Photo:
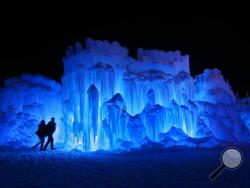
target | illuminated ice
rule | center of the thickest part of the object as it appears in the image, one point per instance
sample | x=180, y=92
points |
x=25, y=101
x=109, y=100
x=244, y=108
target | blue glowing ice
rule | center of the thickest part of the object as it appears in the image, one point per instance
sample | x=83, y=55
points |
x=109, y=100
x=24, y=102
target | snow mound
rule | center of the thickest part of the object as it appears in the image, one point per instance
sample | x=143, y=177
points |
x=176, y=136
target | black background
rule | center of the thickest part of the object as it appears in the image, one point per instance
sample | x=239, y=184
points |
x=34, y=39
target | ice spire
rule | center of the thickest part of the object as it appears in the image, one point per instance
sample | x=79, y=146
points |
x=93, y=101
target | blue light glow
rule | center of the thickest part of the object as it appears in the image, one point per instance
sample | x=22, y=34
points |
x=108, y=99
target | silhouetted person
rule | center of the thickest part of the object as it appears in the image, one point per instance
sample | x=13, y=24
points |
x=41, y=133
x=51, y=127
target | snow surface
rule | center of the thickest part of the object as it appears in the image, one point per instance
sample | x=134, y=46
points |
x=109, y=100
x=175, y=167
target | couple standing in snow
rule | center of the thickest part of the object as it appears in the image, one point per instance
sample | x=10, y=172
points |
x=46, y=130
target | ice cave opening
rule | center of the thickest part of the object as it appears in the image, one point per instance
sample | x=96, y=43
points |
x=109, y=100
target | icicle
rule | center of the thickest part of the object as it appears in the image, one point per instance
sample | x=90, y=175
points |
x=93, y=102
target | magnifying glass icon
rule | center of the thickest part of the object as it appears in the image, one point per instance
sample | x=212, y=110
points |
x=231, y=158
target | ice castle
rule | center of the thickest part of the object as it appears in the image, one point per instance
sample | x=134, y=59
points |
x=109, y=100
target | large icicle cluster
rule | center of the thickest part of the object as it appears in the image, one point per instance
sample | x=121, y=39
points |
x=132, y=99
x=109, y=100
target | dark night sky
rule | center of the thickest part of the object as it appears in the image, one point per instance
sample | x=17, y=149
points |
x=35, y=41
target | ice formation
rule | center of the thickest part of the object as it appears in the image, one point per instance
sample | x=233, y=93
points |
x=109, y=100
x=24, y=102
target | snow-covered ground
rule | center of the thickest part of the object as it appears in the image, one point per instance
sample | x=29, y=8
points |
x=151, y=168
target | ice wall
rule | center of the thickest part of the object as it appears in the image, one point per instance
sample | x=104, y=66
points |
x=24, y=102
x=210, y=86
x=111, y=70
x=109, y=100
x=144, y=97
x=217, y=107
x=243, y=106
x=153, y=90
